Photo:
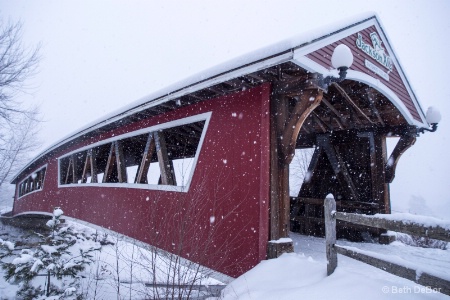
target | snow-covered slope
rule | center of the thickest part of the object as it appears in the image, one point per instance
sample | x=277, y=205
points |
x=123, y=267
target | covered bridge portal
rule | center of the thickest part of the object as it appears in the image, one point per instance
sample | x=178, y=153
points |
x=202, y=169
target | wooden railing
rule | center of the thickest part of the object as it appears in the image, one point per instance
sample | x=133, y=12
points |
x=418, y=276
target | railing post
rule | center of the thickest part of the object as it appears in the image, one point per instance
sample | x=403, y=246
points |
x=330, y=234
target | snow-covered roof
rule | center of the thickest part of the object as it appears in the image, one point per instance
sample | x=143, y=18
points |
x=294, y=49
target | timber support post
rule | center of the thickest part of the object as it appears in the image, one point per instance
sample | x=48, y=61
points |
x=286, y=123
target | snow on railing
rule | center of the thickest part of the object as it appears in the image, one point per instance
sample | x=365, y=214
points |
x=402, y=222
x=405, y=223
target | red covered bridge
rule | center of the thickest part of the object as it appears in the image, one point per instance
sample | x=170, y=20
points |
x=202, y=169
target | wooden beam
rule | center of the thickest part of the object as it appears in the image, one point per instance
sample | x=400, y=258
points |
x=165, y=164
x=325, y=126
x=319, y=123
x=371, y=97
x=71, y=170
x=372, y=164
x=338, y=165
x=142, y=171
x=338, y=122
x=216, y=89
x=284, y=130
x=90, y=167
x=277, y=190
x=306, y=129
x=115, y=165
x=258, y=78
x=109, y=164
x=353, y=104
x=28, y=185
x=404, y=143
x=335, y=111
x=383, y=194
x=39, y=179
x=120, y=162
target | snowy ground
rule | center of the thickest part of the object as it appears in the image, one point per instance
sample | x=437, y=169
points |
x=123, y=268
x=302, y=275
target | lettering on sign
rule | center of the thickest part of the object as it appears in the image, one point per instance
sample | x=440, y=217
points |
x=376, y=69
x=377, y=53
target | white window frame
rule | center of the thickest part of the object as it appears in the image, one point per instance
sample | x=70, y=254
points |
x=188, y=120
x=26, y=178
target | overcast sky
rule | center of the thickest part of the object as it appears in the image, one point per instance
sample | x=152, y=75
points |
x=101, y=55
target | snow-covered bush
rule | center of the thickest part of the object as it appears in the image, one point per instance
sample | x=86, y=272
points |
x=7, y=248
x=56, y=255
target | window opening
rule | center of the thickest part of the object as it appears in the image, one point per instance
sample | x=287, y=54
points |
x=33, y=182
x=161, y=157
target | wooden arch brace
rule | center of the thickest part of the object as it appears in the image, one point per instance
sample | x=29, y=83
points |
x=146, y=160
x=308, y=100
x=403, y=144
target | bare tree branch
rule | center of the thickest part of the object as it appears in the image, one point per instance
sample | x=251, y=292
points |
x=16, y=146
x=17, y=64
x=18, y=122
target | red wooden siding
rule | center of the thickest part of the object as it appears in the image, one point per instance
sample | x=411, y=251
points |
x=230, y=183
x=322, y=56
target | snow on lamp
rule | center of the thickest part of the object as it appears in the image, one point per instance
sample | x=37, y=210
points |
x=433, y=117
x=341, y=59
